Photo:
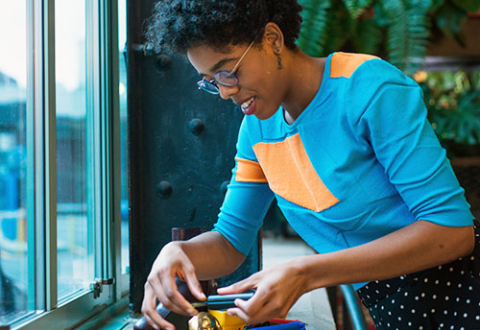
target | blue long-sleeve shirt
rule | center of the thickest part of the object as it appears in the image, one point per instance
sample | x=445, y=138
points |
x=360, y=162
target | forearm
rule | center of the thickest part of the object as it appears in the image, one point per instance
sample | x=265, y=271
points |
x=211, y=255
x=418, y=246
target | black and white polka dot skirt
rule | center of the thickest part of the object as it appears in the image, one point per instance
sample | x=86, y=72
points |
x=443, y=297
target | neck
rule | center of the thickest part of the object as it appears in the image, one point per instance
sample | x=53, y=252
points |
x=305, y=77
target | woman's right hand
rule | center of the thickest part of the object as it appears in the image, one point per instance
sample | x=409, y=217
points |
x=171, y=262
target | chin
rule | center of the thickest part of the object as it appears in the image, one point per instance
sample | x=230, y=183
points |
x=264, y=115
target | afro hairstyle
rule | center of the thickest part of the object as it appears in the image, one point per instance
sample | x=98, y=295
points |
x=177, y=25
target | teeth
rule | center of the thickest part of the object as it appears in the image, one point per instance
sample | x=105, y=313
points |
x=246, y=104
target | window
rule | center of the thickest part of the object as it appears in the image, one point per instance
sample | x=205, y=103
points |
x=60, y=187
x=14, y=284
x=74, y=230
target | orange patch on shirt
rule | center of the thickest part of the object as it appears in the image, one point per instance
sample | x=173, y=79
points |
x=343, y=64
x=249, y=171
x=290, y=174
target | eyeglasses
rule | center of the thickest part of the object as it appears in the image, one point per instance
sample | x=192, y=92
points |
x=223, y=77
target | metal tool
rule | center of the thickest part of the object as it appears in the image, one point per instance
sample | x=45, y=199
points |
x=223, y=301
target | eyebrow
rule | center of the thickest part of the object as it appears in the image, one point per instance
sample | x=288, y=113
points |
x=219, y=64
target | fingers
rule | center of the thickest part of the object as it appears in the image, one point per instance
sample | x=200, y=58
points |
x=158, y=324
x=166, y=291
x=250, y=318
x=194, y=284
x=248, y=308
x=266, y=303
x=161, y=286
x=150, y=313
x=173, y=300
x=257, y=311
x=245, y=308
x=253, y=305
x=239, y=287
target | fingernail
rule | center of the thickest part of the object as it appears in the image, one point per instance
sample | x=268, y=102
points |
x=192, y=312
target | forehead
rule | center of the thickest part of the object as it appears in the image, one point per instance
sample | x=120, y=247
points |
x=207, y=60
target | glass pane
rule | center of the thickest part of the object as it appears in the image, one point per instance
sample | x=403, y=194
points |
x=13, y=219
x=122, y=38
x=75, y=255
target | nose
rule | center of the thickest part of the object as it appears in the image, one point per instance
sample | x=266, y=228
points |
x=227, y=91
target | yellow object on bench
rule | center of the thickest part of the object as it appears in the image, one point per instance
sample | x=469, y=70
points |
x=227, y=322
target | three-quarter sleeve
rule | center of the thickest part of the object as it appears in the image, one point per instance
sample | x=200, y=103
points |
x=393, y=121
x=247, y=199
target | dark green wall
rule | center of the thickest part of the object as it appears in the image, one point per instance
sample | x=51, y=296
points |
x=169, y=149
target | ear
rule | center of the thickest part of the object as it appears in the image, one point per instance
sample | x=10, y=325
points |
x=273, y=38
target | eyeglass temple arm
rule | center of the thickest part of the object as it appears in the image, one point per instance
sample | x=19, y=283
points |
x=241, y=58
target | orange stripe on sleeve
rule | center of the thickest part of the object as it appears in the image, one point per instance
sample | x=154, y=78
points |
x=343, y=64
x=249, y=171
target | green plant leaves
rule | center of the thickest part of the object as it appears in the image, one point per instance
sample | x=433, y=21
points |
x=368, y=36
x=436, y=4
x=449, y=19
x=407, y=32
x=454, y=106
x=399, y=29
x=340, y=29
x=313, y=33
x=356, y=7
x=471, y=6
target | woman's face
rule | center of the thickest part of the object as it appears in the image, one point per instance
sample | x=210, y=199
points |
x=261, y=86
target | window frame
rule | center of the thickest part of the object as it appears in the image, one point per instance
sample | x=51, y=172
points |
x=103, y=163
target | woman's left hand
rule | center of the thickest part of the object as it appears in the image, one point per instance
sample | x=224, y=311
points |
x=277, y=290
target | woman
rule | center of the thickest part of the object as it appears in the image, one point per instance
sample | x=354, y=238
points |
x=343, y=144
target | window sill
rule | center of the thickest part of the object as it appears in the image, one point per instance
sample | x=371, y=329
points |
x=114, y=317
x=120, y=322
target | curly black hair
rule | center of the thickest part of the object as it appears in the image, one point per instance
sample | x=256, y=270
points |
x=177, y=25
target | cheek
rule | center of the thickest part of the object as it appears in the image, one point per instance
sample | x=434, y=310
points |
x=265, y=71
x=266, y=81
x=268, y=73
x=269, y=68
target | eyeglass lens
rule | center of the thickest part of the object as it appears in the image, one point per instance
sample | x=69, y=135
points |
x=208, y=86
x=226, y=78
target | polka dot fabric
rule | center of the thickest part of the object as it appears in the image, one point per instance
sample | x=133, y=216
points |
x=443, y=297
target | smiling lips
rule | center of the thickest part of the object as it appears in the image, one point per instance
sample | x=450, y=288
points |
x=248, y=107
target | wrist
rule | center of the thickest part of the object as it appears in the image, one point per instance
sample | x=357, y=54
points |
x=302, y=269
x=171, y=249
x=312, y=272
